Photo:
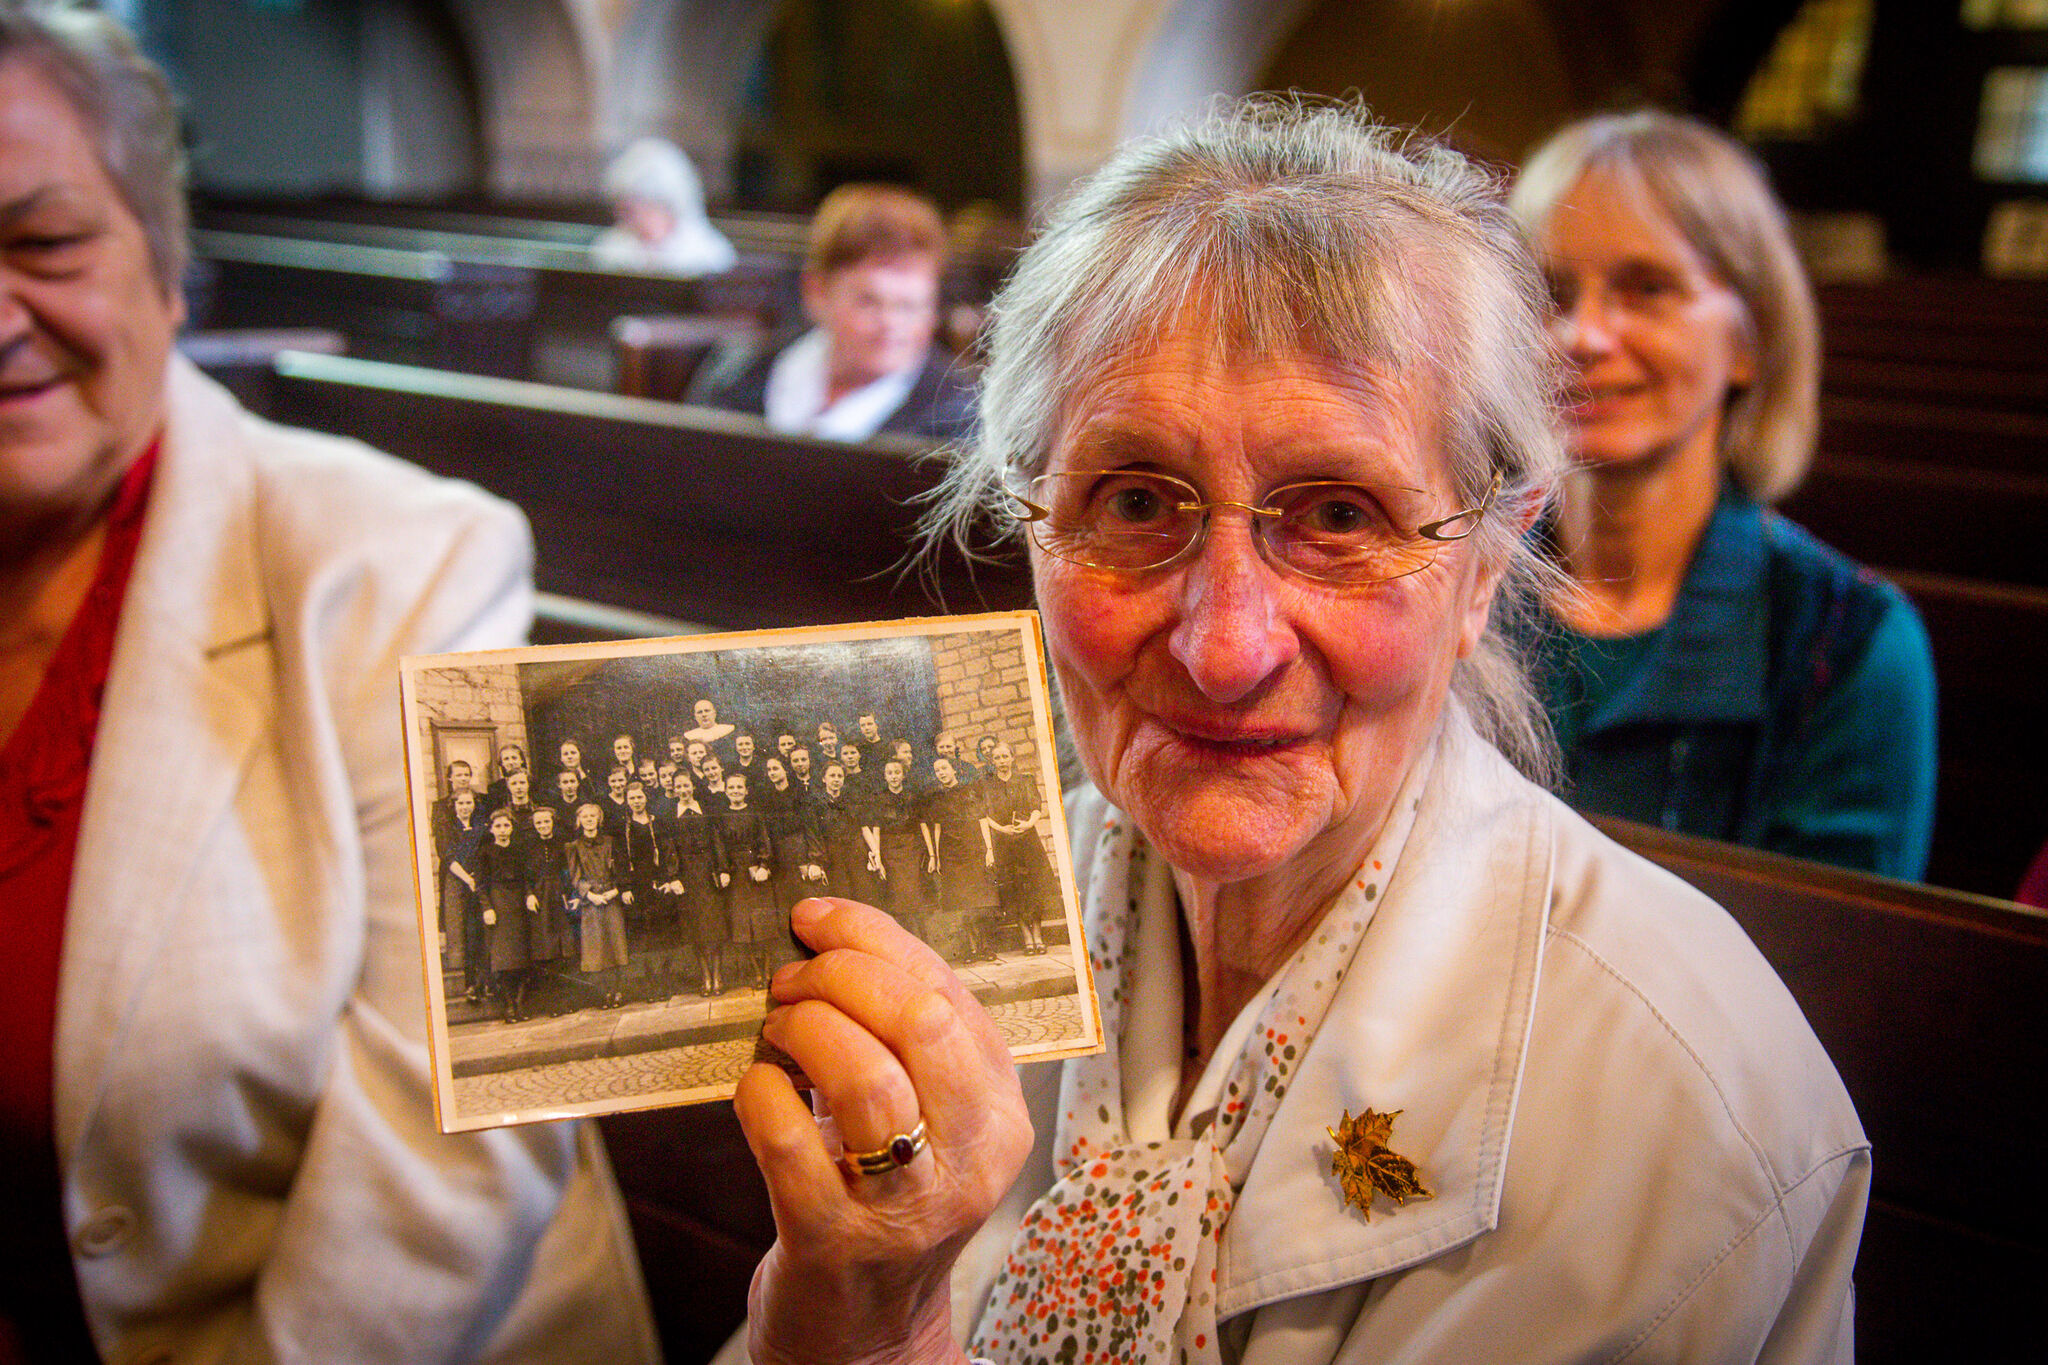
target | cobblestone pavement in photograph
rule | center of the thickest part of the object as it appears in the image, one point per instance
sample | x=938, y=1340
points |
x=592, y=1079
x=590, y=1055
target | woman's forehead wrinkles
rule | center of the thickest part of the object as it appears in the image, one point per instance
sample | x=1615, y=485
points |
x=1367, y=430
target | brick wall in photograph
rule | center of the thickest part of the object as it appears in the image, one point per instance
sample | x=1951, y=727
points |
x=469, y=698
x=983, y=690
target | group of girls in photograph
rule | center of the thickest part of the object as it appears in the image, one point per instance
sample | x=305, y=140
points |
x=675, y=875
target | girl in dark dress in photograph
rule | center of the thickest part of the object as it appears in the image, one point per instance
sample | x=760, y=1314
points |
x=646, y=869
x=899, y=843
x=799, y=852
x=519, y=802
x=501, y=887
x=625, y=754
x=458, y=888
x=613, y=802
x=700, y=904
x=593, y=864
x=511, y=759
x=569, y=794
x=746, y=863
x=851, y=863
x=553, y=937
x=954, y=817
x=571, y=756
x=1016, y=810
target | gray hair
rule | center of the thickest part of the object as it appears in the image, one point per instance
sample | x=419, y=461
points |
x=1716, y=195
x=127, y=106
x=1290, y=228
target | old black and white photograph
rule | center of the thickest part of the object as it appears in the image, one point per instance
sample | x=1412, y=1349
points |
x=610, y=837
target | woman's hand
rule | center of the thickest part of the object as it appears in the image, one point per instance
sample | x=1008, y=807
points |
x=861, y=1265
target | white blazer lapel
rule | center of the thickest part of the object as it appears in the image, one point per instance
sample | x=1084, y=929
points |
x=1432, y=1019
x=189, y=693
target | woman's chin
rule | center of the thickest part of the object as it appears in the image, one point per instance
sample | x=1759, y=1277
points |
x=1221, y=833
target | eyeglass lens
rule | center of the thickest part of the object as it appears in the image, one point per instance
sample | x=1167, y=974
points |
x=1134, y=520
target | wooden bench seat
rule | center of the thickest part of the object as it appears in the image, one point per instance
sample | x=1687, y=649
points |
x=1932, y=1006
x=1928, y=517
x=1901, y=431
x=657, y=507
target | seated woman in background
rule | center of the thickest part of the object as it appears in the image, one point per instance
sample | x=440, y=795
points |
x=658, y=202
x=869, y=364
x=1405, y=1060
x=1718, y=671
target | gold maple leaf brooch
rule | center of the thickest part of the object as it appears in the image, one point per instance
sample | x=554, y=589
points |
x=1365, y=1164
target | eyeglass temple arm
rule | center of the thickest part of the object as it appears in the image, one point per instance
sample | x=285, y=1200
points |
x=1471, y=516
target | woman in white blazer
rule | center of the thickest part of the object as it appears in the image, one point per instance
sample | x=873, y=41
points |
x=245, y=1158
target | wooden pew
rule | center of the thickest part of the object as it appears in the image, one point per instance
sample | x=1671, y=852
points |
x=658, y=507
x=1959, y=341
x=1932, y=1006
x=1990, y=654
x=1890, y=430
x=514, y=310
x=1928, y=517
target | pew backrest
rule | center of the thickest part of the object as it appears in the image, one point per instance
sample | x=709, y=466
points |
x=1934, y=1007
x=659, y=507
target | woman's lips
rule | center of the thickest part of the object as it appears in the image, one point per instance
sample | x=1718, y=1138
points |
x=20, y=388
x=1583, y=404
x=1226, y=738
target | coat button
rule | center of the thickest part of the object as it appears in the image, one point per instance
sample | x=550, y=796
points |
x=106, y=1232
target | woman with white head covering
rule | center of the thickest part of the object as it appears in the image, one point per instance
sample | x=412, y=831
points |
x=659, y=204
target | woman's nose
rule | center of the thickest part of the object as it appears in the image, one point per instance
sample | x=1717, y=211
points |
x=1233, y=633
x=1583, y=329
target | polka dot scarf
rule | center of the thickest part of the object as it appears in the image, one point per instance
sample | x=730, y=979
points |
x=1117, y=1262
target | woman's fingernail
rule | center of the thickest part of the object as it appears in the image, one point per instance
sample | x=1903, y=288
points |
x=808, y=911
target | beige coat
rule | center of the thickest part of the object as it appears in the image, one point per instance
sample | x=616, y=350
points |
x=1639, y=1150
x=251, y=1166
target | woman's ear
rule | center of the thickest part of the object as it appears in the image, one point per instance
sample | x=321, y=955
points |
x=1521, y=513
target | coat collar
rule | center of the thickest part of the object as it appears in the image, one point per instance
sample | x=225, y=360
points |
x=188, y=693
x=1433, y=1019
x=1709, y=661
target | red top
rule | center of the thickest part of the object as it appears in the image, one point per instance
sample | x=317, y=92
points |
x=43, y=769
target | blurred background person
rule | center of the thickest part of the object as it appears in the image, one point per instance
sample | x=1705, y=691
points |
x=657, y=201
x=214, y=1103
x=869, y=363
x=1717, y=670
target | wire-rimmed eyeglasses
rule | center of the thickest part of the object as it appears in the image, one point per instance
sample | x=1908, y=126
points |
x=1138, y=520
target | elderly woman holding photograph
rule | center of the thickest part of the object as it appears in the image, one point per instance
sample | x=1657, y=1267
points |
x=1716, y=670
x=214, y=1102
x=1405, y=1060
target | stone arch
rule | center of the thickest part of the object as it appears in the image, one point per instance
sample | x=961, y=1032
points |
x=1088, y=77
x=678, y=70
x=538, y=64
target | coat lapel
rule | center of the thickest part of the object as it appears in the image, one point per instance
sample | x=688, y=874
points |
x=1432, y=1019
x=188, y=694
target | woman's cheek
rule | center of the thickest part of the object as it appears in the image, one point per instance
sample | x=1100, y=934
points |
x=1093, y=639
